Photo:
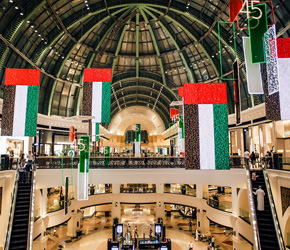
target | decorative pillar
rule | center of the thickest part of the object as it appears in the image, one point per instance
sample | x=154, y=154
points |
x=116, y=204
x=202, y=222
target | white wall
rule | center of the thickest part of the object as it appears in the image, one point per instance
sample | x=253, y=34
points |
x=7, y=179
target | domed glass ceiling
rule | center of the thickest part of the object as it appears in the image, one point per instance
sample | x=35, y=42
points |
x=153, y=46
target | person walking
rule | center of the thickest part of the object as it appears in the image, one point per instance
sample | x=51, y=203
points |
x=190, y=245
x=257, y=158
x=190, y=226
x=260, y=198
x=27, y=172
x=247, y=157
x=30, y=157
x=212, y=242
x=21, y=168
x=196, y=234
x=253, y=159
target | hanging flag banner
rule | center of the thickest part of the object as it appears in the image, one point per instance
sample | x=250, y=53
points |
x=237, y=92
x=181, y=135
x=138, y=140
x=83, y=168
x=173, y=114
x=107, y=153
x=20, y=102
x=97, y=96
x=258, y=25
x=180, y=91
x=206, y=126
x=254, y=78
x=71, y=133
x=235, y=6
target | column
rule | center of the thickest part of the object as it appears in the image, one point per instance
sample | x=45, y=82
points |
x=73, y=225
x=116, y=206
x=160, y=207
x=202, y=222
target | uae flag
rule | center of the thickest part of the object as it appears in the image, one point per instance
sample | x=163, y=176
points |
x=97, y=97
x=20, y=102
x=278, y=102
x=206, y=126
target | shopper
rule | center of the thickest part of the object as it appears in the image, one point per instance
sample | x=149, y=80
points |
x=21, y=169
x=190, y=226
x=260, y=198
x=257, y=158
x=196, y=234
x=247, y=157
x=253, y=159
x=27, y=172
x=212, y=242
x=190, y=245
x=30, y=157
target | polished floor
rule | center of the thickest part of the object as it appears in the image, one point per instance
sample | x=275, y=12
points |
x=97, y=229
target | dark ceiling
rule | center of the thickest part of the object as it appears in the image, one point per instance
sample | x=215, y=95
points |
x=153, y=46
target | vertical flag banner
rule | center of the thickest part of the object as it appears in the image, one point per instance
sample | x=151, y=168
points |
x=138, y=140
x=97, y=96
x=237, y=91
x=254, y=78
x=173, y=114
x=181, y=135
x=231, y=27
x=71, y=133
x=235, y=6
x=107, y=155
x=278, y=102
x=206, y=126
x=83, y=168
x=258, y=25
x=20, y=104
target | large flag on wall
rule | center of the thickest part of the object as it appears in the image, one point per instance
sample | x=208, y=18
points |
x=235, y=6
x=206, y=126
x=20, y=103
x=97, y=97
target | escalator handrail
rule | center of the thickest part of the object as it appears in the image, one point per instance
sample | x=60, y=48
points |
x=253, y=215
x=11, y=213
x=31, y=213
x=274, y=212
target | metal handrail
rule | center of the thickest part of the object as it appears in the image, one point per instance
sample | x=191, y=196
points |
x=257, y=243
x=31, y=213
x=11, y=213
x=274, y=212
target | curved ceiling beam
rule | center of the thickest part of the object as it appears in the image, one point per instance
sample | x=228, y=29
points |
x=72, y=47
x=145, y=97
x=191, y=33
x=155, y=46
x=144, y=88
x=165, y=119
x=177, y=43
x=15, y=26
x=143, y=75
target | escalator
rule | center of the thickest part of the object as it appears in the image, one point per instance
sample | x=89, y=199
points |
x=20, y=224
x=268, y=230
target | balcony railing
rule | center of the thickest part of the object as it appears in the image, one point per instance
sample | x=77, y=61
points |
x=112, y=162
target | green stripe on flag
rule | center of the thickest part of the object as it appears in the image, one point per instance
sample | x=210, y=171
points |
x=31, y=111
x=84, y=154
x=97, y=131
x=138, y=132
x=221, y=137
x=106, y=102
x=181, y=125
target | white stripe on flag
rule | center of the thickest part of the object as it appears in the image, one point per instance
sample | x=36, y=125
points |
x=93, y=131
x=97, y=102
x=254, y=79
x=83, y=182
x=206, y=136
x=284, y=79
x=20, y=110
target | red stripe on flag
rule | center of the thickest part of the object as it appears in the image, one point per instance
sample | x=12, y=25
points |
x=97, y=75
x=205, y=93
x=173, y=112
x=180, y=91
x=235, y=7
x=30, y=77
x=283, y=47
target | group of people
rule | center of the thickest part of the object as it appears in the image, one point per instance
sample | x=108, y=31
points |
x=254, y=159
x=25, y=167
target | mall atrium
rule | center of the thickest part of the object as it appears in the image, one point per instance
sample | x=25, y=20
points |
x=145, y=124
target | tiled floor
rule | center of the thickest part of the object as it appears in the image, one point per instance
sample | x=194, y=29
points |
x=97, y=230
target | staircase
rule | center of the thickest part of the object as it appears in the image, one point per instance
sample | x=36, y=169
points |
x=20, y=217
x=267, y=231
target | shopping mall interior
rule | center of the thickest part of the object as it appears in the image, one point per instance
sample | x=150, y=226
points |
x=145, y=124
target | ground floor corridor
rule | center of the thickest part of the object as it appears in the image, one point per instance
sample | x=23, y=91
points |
x=97, y=229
